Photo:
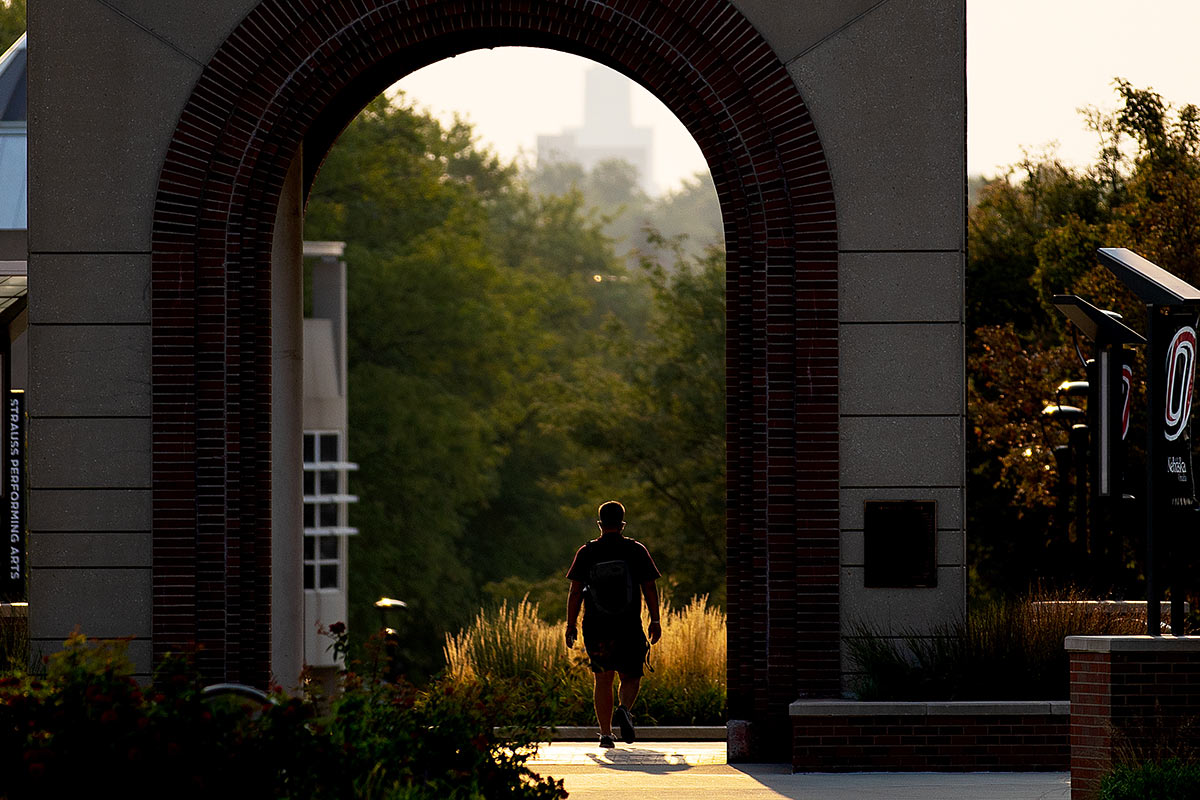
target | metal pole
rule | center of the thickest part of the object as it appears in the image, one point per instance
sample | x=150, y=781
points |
x=1178, y=619
x=1153, y=611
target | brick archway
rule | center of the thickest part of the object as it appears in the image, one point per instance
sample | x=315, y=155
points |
x=296, y=72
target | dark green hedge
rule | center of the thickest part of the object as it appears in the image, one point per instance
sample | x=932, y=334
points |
x=1170, y=780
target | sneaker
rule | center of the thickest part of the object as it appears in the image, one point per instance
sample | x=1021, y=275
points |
x=606, y=741
x=623, y=719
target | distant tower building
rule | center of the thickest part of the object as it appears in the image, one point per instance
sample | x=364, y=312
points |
x=608, y=130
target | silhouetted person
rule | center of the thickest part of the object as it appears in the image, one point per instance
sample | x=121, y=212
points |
x=609, y=576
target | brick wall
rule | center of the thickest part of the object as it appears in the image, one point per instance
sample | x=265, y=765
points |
x=930, y=737
x=1131, y=697
x=296, y=72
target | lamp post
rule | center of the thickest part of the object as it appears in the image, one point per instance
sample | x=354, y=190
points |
x=1107, y=390
x=391, y=643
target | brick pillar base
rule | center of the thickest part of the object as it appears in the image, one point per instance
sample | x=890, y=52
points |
x=1132, y=698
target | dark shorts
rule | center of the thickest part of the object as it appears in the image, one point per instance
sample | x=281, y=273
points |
x=623, y=650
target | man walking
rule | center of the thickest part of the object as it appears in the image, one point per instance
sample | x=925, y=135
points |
x=608, y=577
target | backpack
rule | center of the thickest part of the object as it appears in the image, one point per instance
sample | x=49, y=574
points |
x=610, y=587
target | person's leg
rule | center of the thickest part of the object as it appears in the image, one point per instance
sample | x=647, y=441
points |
x=602, y=697
x=628, y=691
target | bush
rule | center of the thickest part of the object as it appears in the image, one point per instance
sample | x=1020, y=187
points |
x=88, y=724
x=1011, y=650
x=511, y=649
x=1169, y=780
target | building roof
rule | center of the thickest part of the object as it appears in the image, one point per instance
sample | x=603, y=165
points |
x=14, y=178
x=13, y=106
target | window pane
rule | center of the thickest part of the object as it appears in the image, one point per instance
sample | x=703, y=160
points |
x=308, y=577
x=329, y=548
x=329, y=576
x=328, y=515
x=309, y=548
x=329, y=482
x=310, y=447
x=310, y=515
x=329, y=448
x=310, y=483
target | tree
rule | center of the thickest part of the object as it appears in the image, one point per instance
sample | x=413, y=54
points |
x=12, y=22
x=650, y=416
x=465, y=292
x=1033, y=234
x=690, y=215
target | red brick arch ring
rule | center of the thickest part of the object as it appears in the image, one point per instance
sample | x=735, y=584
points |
x=296, y=71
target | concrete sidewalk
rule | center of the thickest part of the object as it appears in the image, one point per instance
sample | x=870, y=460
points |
x=679, y=770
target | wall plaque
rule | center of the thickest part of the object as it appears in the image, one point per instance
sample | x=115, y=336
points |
x=900, y=544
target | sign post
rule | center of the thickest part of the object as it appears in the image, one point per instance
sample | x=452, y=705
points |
x=1171, y=311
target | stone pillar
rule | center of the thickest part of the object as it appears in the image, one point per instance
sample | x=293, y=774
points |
x=1131, y=697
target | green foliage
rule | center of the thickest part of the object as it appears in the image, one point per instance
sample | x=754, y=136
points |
x=1032, y=234
x=1006, y=650
x=464, y=293
x=631, y=219
x=474, y=309
x=12, y=22
x=1170, y=780
x=89, y=724
x=512, y=649
x=651, y=415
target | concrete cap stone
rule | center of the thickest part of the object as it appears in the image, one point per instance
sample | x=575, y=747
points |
x=943, y=708
x=1132, y=644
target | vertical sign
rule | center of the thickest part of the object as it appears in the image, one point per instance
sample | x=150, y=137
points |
x=1172, y=410
x=12, y=576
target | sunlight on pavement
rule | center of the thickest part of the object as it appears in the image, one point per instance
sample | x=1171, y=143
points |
x=690, y=770
x=663, y=754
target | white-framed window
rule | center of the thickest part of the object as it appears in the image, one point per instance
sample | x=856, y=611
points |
x=325, y=509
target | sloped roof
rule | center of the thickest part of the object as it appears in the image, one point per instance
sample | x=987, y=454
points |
x=14, y=178
x=13, y=106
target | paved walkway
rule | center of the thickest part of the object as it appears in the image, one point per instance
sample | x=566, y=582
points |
x=690, y=770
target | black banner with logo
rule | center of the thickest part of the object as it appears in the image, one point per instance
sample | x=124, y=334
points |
x=1171, y=411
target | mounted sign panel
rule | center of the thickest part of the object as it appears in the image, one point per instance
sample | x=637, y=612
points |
x=900, y=544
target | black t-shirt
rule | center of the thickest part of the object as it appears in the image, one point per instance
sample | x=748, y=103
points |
x=613, y=547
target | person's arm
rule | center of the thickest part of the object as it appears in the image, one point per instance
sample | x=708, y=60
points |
x=650, y=590
x=574, y=601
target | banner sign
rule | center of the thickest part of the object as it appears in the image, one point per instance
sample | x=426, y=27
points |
x=1126, y=394
x=12, y=577
x=1110, y=380
x=1172, y=410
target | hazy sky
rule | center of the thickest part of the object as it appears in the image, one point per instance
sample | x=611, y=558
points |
x=1030, y=65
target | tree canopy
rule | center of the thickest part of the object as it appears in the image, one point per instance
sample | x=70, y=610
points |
x=1034, y=233
x=497, y=344
x=12, y=22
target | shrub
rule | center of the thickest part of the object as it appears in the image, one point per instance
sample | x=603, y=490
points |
x=1010, y=650
x=1169, y=780
x=88, y=724
x=512, y=649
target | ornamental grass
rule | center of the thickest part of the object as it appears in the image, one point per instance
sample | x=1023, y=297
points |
x=511, y=647
x=1008, y=650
